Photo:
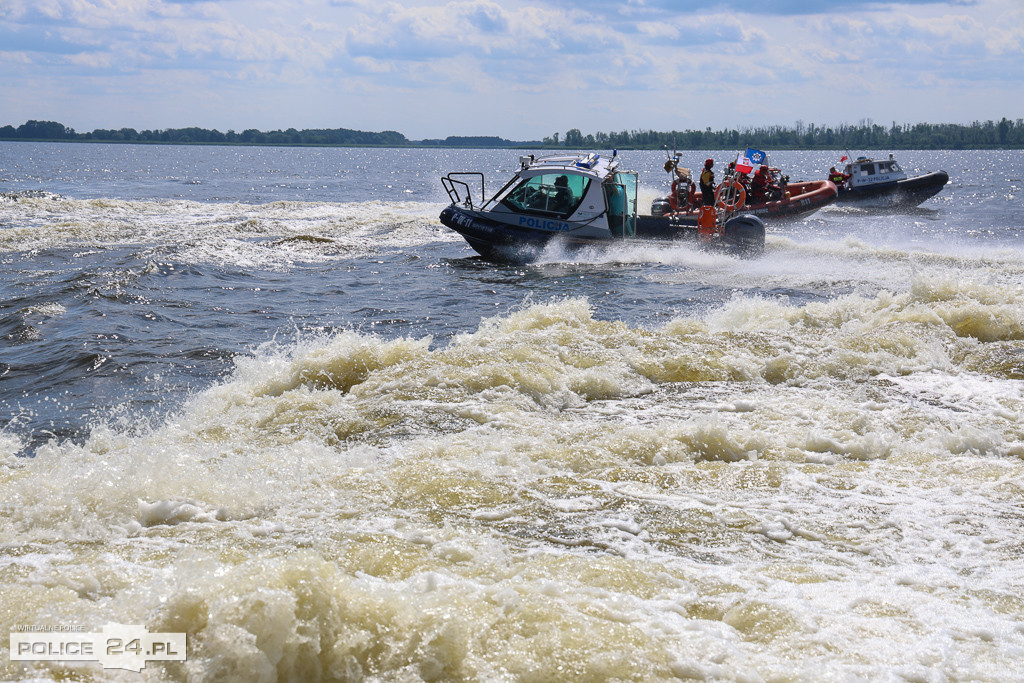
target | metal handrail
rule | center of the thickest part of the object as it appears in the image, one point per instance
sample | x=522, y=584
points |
x=451, y=186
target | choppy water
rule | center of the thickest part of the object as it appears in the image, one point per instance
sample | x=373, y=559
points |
x=262, y=397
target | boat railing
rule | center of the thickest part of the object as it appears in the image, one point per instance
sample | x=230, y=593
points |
x=459, y=191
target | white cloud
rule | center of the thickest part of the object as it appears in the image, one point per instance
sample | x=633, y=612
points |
x=521, y=68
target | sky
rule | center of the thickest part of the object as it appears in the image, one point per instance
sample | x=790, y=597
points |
x=518, y=69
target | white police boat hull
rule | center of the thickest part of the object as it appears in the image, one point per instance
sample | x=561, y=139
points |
x=882, y=184
x=575, y=201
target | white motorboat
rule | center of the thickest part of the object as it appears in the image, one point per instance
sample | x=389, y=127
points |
x=578, y=200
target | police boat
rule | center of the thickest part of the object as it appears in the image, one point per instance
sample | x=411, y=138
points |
x=882, y=183
x=574, y=201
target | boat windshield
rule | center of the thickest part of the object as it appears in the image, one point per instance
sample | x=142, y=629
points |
x=556, y=194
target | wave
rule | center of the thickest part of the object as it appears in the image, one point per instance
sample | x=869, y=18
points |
x=268, y=235
x=757, y=379
x=766, y=487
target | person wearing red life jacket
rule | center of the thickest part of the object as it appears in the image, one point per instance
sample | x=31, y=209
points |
x=761, y=186
x=837, y=177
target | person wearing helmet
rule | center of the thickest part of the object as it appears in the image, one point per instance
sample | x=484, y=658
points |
x=707, y=183
x=759, y=185
x=837, y=177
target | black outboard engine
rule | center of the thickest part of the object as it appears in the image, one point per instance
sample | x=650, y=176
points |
x=661, y=207
x=745, y=234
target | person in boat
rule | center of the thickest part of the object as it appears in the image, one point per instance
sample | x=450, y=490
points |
x=563, y=198
x=837, y=177
x=761, y=186
x=707, y=183
x=779, y=183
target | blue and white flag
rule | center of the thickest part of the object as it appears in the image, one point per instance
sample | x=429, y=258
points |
x=756, y=156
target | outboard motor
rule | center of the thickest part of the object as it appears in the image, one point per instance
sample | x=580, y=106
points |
x=745, y=234
x=661, y=207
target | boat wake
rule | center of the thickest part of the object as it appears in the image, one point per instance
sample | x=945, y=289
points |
x=271, y=236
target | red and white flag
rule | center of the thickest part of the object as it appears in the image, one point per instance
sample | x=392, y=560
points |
x=743, y=165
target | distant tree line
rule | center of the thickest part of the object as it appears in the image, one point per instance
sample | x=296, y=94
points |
x=472, y=141
x=51, y=130
x=1004, y=134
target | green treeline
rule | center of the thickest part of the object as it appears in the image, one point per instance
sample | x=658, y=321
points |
x=491, y=141
x=1004, y=134
x=51, y=130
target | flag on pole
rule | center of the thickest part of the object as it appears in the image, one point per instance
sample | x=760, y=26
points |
x=743, y=164
x=843, y=158
x=756, y=156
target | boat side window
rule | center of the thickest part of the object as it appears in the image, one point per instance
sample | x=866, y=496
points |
x=549, y=194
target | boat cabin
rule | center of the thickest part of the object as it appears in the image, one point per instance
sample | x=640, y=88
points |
x=865, y=172
x=572, y=200
x=560, y=193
